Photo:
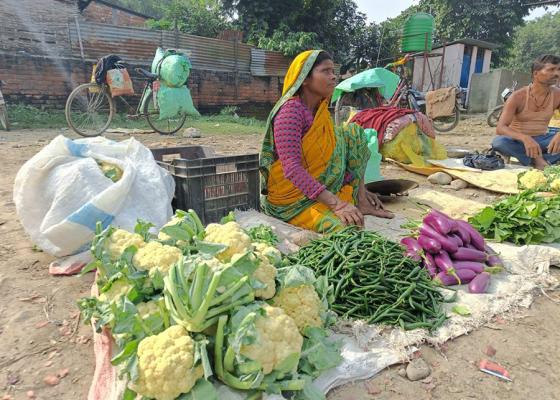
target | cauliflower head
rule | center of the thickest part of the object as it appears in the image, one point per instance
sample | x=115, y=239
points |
x=146, y=309
x=118, y=289
x=230, y=235
x=555, y=185
x=120, y=240
x=155, y=255
x=166, y=365
x=278, y=338
x=302, y=304
x=265, y=274
x=271, y=253
x=532, y=179
x=164, y=236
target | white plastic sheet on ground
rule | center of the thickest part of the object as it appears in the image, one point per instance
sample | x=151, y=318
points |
x=366, y=349
x=61, y=193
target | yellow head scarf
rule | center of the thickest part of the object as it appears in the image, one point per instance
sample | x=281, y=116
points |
x=295, y=70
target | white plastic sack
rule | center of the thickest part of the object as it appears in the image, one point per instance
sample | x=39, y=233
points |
x=61, y=192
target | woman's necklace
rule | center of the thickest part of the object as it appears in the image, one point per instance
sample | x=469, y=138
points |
x=539, y=106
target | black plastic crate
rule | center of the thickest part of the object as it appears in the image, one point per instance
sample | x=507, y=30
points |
x=167, y=154
x=214, y=186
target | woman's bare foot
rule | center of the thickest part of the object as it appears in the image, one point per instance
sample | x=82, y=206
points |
x=371, y=205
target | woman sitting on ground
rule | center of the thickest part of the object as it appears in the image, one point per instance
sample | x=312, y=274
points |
x=313, y=174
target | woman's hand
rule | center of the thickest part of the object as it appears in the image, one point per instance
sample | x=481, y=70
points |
x=348, y=214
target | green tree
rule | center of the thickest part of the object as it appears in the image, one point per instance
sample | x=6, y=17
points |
x=329, y=24
x=493, y=21
x=197, y=17
x=537, y=37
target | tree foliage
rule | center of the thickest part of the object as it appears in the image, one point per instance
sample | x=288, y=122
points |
x=197, y=17
x=492, y=21
x=537, y=37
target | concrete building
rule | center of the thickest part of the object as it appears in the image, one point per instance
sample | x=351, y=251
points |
x=452, y=64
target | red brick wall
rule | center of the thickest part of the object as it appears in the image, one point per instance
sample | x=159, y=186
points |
x=103, y=14
x=47, y=82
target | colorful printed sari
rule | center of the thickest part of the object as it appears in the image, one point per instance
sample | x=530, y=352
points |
x=327, y=154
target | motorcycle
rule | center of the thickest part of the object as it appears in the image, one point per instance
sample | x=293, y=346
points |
x=494, y=115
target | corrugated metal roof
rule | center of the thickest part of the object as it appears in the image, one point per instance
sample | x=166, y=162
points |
x=139, y=45
x=268, y=63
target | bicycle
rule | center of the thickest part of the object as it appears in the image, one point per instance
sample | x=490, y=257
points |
x=3, y=110
x=494, y=115
x=90, y=108
x=407, y=97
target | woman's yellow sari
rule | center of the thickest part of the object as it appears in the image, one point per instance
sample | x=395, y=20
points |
x=327, y=154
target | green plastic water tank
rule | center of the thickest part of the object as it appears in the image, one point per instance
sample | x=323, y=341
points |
x=414, y=33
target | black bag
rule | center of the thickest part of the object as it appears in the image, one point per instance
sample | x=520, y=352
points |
x=105, y=64
x=487, y=161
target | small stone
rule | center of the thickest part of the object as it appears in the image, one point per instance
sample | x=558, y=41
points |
x=490, y=351
x=372, y=389
x=402, y=372
x=191, y=133
x=51, y=380
x=440, y=178
x=63, y=372
x=459, y=184
x=31, y=395
x=417, y=370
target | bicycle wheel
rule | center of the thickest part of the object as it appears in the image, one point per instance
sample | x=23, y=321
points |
x=89, y=109
x=4, y=118
x=166, y=126
x=494, y=116
x=446, y=124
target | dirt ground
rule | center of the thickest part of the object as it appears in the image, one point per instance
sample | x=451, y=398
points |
x=41, y=334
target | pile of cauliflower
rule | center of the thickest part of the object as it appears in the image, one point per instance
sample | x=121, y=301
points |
x=544, y=181
x=170, y=357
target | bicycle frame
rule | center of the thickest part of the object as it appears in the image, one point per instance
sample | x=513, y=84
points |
x=138, y=112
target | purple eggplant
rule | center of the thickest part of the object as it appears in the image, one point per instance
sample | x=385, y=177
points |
x=412, y=245
x=489, y=250
x=480, y=283
x=466, y=254
x=443, y=261
x=476, y=238
x=430, y=264
x=446, y=243
x=457, y=239
x=465, y=275
x=495, y=264
x=472, y=265
x=413, y=255
x=462, y=276
x=438, y=221
x=494, y=260
x=445, y=264
x=463, y=234
x=445, y=280
x=429, y=244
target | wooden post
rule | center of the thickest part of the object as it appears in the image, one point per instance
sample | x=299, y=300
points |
x=442, y=65
x=425, y=60
x=235, y=65
x=79, y=38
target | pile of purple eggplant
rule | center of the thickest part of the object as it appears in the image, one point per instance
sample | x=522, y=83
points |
x=453, y=252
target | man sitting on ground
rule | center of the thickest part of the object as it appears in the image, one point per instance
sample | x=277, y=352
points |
x=523, y=126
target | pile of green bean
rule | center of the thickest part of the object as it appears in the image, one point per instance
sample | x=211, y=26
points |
x=373, y=280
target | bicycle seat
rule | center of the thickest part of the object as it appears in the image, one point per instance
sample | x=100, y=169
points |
x=147, y=74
